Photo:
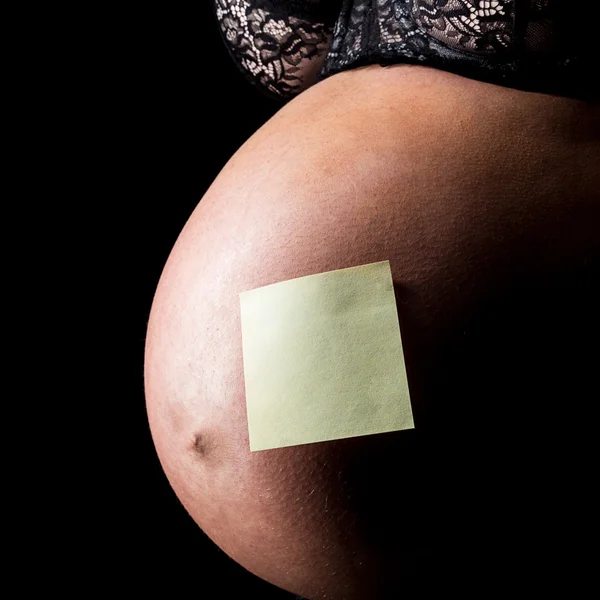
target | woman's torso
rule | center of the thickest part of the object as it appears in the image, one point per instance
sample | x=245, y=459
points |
x=486, y=201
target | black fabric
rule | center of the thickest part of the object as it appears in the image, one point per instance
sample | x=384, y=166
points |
x=320, y=10
x=284, y=46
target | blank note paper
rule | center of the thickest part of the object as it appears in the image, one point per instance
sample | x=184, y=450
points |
x=323, y=358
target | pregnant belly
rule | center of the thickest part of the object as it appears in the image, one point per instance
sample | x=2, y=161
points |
x=485, y=202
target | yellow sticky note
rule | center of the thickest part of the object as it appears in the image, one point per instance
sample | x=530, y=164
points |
x=323, y=358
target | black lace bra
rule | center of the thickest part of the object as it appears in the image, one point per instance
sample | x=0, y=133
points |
x=284, y=46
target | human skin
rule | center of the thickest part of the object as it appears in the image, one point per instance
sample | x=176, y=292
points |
x=485, y=200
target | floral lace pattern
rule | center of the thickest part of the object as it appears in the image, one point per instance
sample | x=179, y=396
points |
x=479, y=26
x=279, y=51
x=507, y=41
x=408, y=27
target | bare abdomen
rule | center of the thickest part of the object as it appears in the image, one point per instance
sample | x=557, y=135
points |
x=486, y=203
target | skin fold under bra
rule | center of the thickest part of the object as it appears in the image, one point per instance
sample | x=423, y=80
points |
x=284, y=46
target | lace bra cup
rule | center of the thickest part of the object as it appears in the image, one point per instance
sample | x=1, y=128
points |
x=284, y=46
x=279, y=45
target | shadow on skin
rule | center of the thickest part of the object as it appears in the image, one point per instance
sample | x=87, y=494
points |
x=501, y=405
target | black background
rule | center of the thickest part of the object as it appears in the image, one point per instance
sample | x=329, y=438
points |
x=166, y=107
x=135, y=110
